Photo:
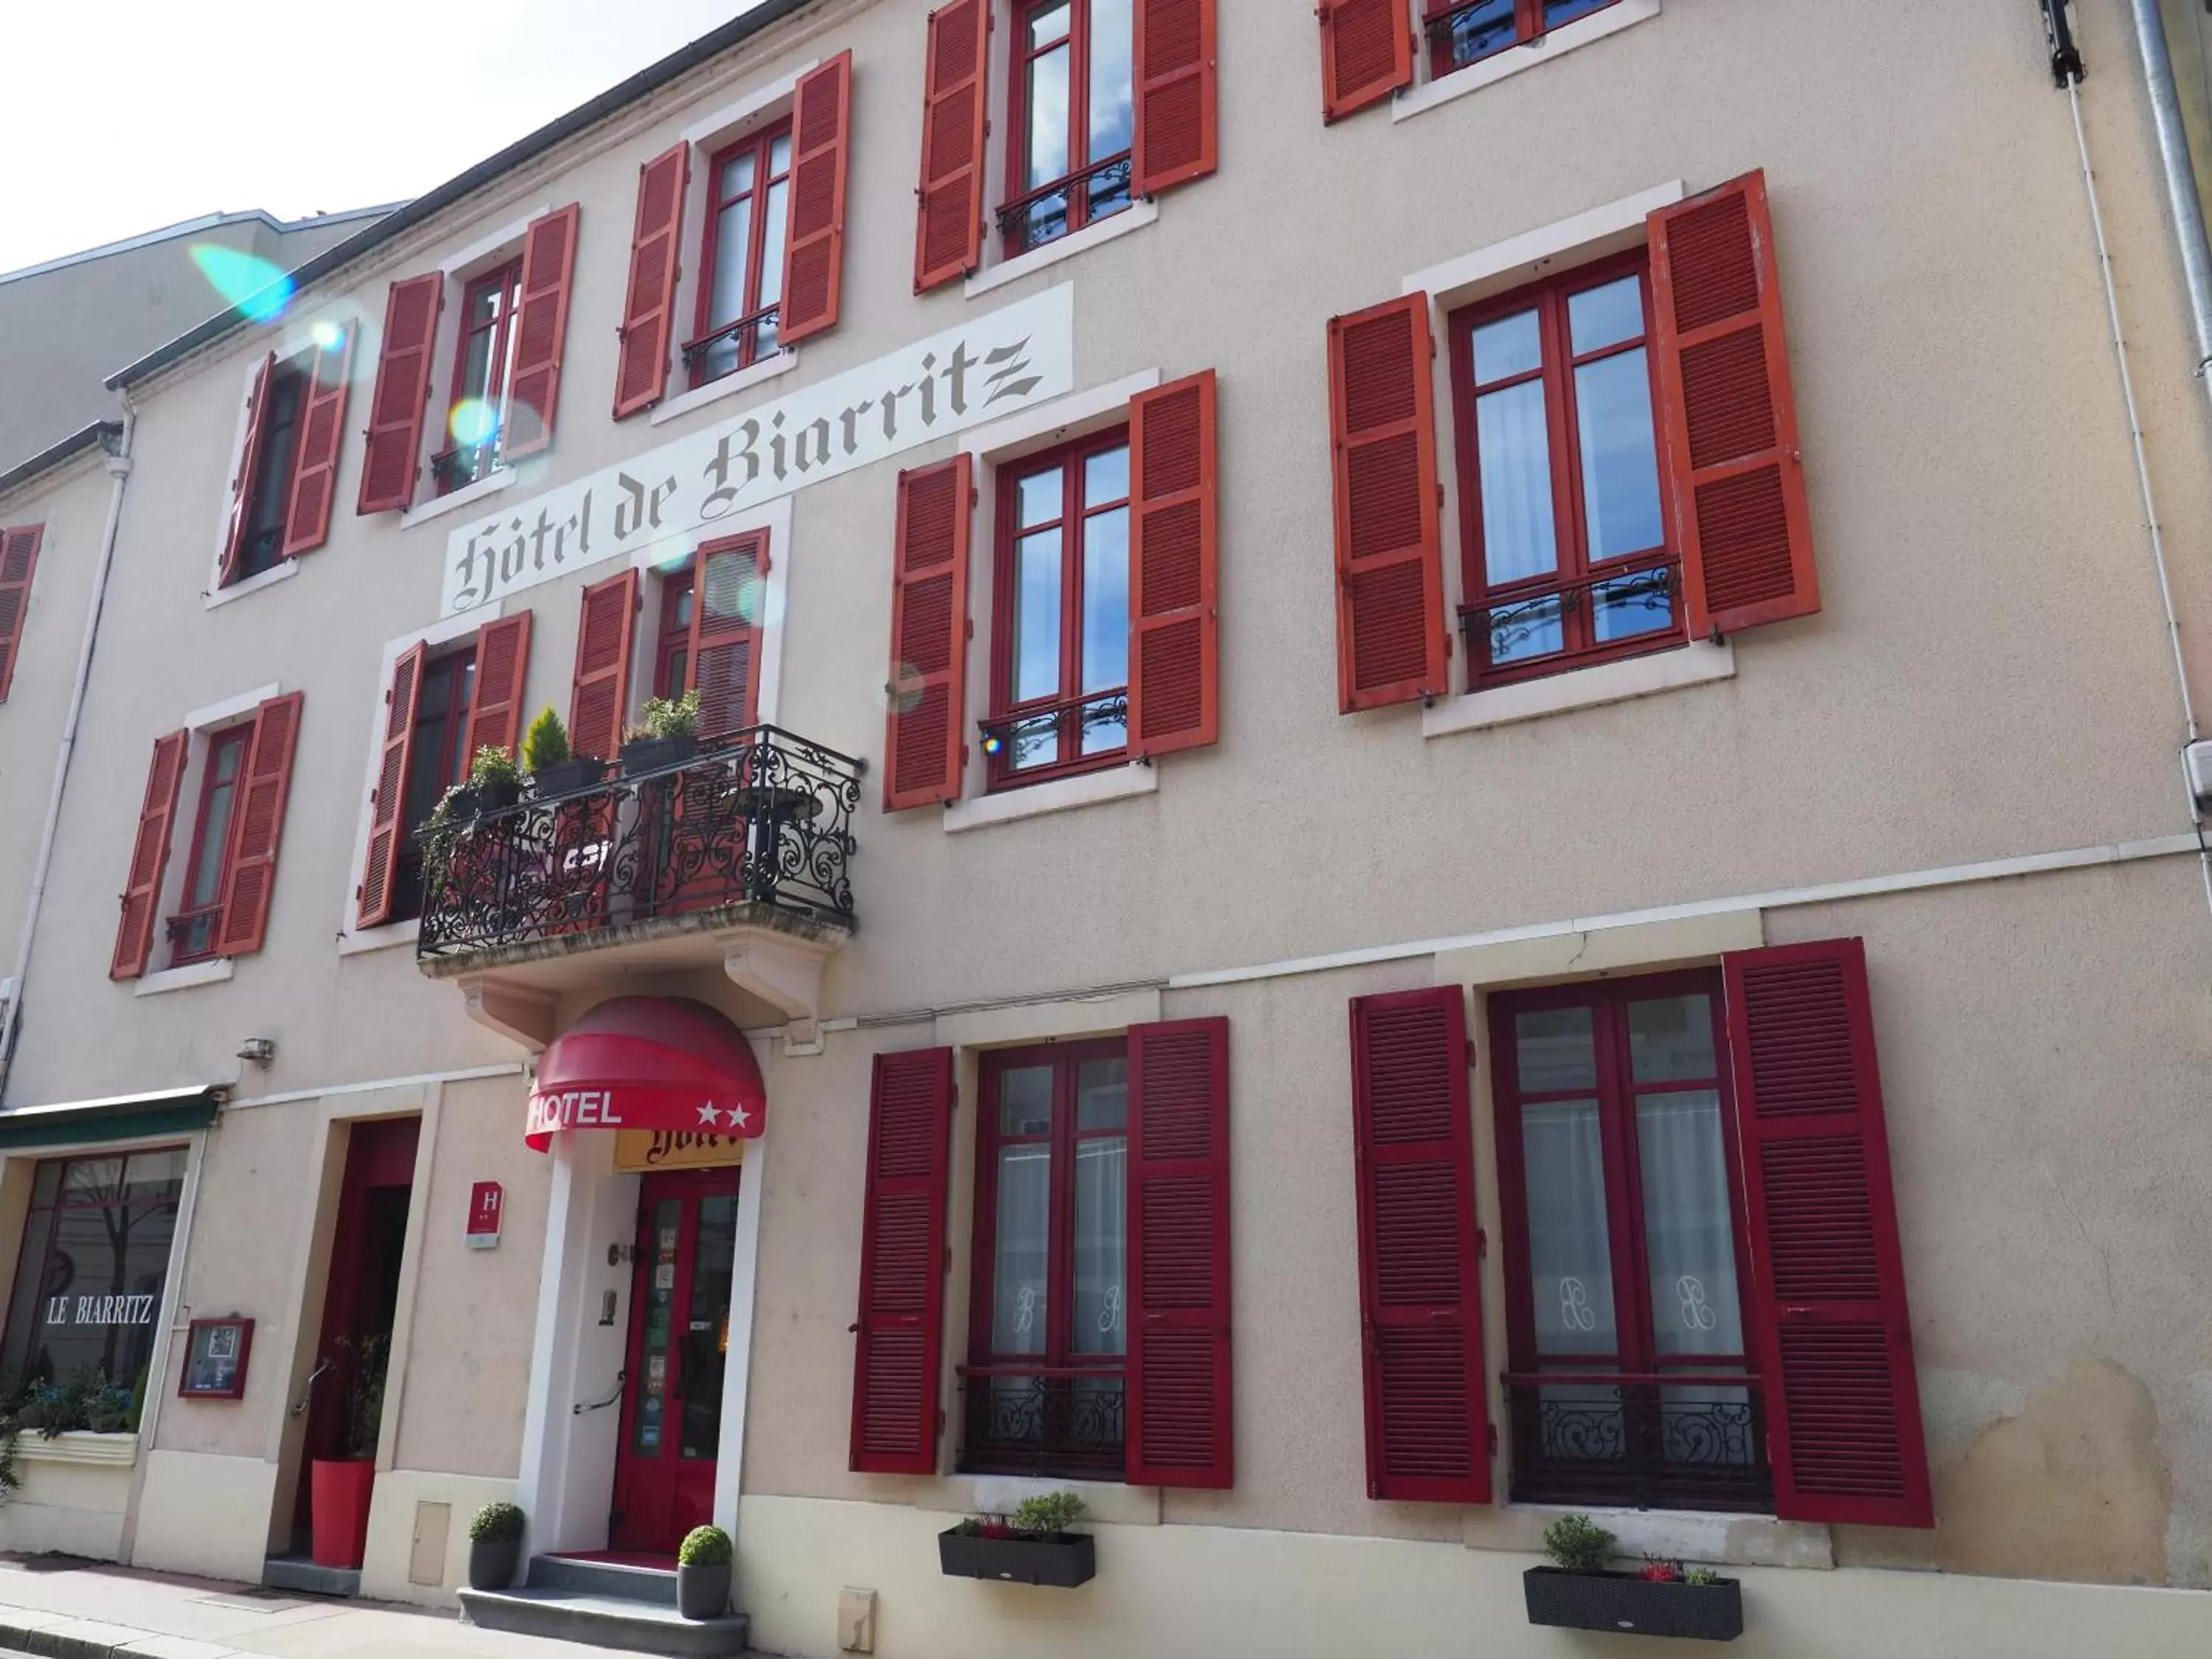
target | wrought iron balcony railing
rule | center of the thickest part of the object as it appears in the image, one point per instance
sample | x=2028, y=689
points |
x=1664, y=1440
x=761, y=819
x=1063, y=1421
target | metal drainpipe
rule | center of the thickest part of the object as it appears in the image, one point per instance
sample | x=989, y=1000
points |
x=118, y=472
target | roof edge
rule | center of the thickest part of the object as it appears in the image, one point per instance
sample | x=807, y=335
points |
x=188, y=227
x=102, y=433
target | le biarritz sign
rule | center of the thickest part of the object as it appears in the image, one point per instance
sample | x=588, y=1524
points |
x=648, y=507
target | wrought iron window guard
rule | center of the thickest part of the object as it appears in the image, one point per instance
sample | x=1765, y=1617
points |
x=464, y=464
x=183, y=947
x=1642, y=1440
x=695, y=351
x=763, y=817
x=1002, y=731
x=1561, y=599
x=1012, y=216
x=1043, y=1420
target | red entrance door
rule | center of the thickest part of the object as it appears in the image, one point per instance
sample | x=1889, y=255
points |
x=687, y=1229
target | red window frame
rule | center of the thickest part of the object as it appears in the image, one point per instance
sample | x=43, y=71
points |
x=1616, y=1091
x=269, y=488
x=672, y=648
x=1069, y=700
x=1018, y=231
x=1531, y=22
x=465, y=462
x=192, y=930
x=1056, y=1362
x=460, y=668
x=1575, y=575
x=756, y=318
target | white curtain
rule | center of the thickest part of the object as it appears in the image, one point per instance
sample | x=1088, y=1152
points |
x=1570, y=1250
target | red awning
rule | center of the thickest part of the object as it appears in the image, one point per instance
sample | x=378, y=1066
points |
x=648, y=1063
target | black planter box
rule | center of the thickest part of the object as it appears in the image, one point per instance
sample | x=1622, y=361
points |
x=498, y=797
x=569, y=777
x=642, y=755
x=1063, y=1562
x=1623, y=1601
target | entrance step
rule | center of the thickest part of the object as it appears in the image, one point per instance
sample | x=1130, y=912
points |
x=303, y=1573
x=635, y=1581
x=608, y=1604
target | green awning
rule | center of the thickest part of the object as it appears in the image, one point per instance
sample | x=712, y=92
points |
x=119, y=1117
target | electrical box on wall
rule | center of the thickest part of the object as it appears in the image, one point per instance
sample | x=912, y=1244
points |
x=2198, y=757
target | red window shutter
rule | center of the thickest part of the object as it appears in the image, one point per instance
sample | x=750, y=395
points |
x=549, y=263
x=901, y=1326
x=149, y=858
x=814, y=249
x=642, y=365
x=385, y=824
x=1727, y=418
x=322, y=435
x=1366, y=53
x=955, y=121
x=724, y=655
x=503, y=666
x=249, y=865
x=1178, y=95
x=249, y=456
x=1174, y=599
x=19, y=560
x=599, y=699
x=1391, y=642
x=1420, y=1315
x=1179, y=1413
x=1826, y=1307
x=403, y=388
x=925, y=745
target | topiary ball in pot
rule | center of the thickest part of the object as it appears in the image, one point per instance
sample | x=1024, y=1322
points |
x=703, y=1573
x=494, y=1547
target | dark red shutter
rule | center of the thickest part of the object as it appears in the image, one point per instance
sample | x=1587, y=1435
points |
x=495, y=717
x=249, y=868
x=549, y=263
x=641, y=364
x=1421, y=1312
x=955, y=121
x=1175, y=600
x=724, y=655
x=1179, y=1413
x=403, y=387
x=1827, y=1309
x=1366, y=53
x=380, y=870
x=249, y=459
x=599, y=701
x=814, y=252
x=1727, y=418
x=901, y=1327
x=149, y=858
x=1177, y=137
x=926, y=746
x=19, y=561
x=322, y=437
x=1391, y=642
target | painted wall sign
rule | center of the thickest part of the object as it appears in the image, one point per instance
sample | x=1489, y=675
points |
x=100, y=1309
x=989, y=366
x=486, y=1202
x=641, y=1149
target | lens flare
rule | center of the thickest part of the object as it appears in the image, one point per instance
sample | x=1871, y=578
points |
x=993, y=743
x=473, y=422
x=256, y=287
x=327, y=335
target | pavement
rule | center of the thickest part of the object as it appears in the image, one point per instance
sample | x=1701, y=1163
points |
x=57, y=1607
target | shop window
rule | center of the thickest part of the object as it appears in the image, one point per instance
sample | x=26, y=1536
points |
x=192, y=930
x=1074, y=114
x=491, y=311
x=87, y=1304
x=742, y=262
x=1471, y=30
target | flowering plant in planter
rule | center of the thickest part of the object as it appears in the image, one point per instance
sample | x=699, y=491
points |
x=1033, y=1546
x=1660, y=1598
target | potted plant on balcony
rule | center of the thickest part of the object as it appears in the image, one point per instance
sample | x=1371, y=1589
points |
x=1579, y=1592
x=497, y=778
x=494, y=1547
x=554, y=768
x=703, y=1573
x=339, y=1487
x=1034, y=1548
x=666, y=735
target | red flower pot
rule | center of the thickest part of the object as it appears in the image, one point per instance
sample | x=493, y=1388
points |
x=338, y=1506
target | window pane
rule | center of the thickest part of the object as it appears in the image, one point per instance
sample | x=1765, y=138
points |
x=476, y=369
x=1047, y=118
x=1101, y=1247
x=1671, y=1038
x=215, y=836
x=1105, y=619
x=654, y=1387
x=1025, y=1100
x=1687, y=1232
x=1514, y=449
x=1049, y=25
x=154, y=1177
x=773, y=234
x=1531, y=628
x=1481, y=30
x=1112, y=98
x=1511, y=345
x=1638, y=603
x=1036, y=616
x=779, y=156
x=1102, y=1094
x=733, y=235
x=736, y=175
x=1620, y=456
x=706, y=1327
x=1569, y=1250
x=1023, y=1250
x=1557, y=12
x=1553, y=1049
x=1037, y=497
x=93, y=1181
x=1106, y=477
x=1600, y=317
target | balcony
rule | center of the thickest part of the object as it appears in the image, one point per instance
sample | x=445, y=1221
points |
x=1669, y=1440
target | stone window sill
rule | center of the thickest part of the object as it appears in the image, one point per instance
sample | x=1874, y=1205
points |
x=1691, y=1535
x=1084, y=789
x=379, y=939
x=1515, y=60
x=1135, y=217
x=728, y=386
x=269, y=578
x=1699, y=662
x=454, y=501
x=213, y=972
x=1107, y=1501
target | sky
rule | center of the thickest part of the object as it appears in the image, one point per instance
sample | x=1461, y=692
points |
x=138, y=113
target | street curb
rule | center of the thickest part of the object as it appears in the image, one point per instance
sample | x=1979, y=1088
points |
x=50, y=1642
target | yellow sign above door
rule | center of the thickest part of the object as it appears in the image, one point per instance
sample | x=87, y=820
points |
x=644, y=1150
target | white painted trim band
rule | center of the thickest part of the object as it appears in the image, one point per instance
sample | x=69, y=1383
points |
x=463, y=1074
x=1699, y=662
x=1085, y=789
x=269, y=578
x=1515, y=60
x=230, y=708
x=1047, y=423
x=1135, y=217
x=467, y=495
x=1463, y=275
x=728, y=386
x=715, y=123
x=183, y=979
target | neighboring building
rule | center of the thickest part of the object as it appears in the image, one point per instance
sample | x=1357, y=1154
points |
x=66, y=324
x=1436, y=783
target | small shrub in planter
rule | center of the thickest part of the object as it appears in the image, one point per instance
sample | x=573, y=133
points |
x=554, y=768
x=494, y=1547
x=1034, y=1548
x=667, y=735
x=497, y=778
x=1658, y=1599
x=703, y=1573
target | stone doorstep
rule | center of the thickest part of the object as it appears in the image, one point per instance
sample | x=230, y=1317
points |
x=628, y=1622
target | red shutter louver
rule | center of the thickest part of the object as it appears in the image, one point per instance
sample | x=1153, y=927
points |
x=322, y=435
x=814, y=250
x=1420, y=1315
x=1728, y=417
x=19, y=561
x=900, y=1329
x=541, y=331
x=1175, y=605
x=380, y=870
x=249, y=865
x=925, y=747
x=1826, y=1307
x=1366, y=53
x=642, y=365
x=1179, y=1412
x=393, y=454
x=149, y=858
x=503, y=666
x=949, y=236
x=724, y=654
x=249, y=459
x=1390, y=637
x=599, y=699
x=1178, y=126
